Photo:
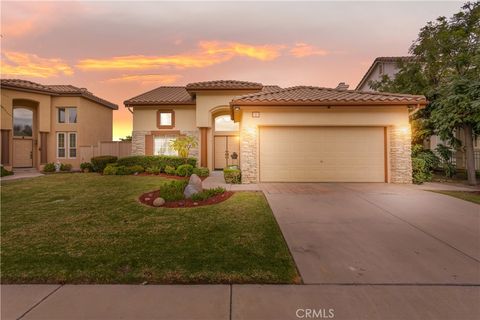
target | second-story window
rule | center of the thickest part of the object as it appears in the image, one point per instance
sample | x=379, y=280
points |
x=165, y=119
x=67, y=115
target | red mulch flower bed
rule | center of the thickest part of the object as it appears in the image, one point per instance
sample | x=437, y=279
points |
x=147, y=198
x=168, y=176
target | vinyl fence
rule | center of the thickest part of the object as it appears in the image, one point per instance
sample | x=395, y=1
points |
x=105, y=148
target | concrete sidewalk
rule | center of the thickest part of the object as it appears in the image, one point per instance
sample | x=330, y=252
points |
x=239, y=302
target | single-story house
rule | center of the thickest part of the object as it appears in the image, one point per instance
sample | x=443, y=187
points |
x=46, y=123
x=296, y=134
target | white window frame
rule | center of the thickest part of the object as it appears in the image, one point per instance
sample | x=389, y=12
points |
x=64, y=145
x=69, y=147
x=67, y=114
x=169, y=137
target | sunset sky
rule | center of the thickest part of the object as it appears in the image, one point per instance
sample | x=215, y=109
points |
x=121, y=49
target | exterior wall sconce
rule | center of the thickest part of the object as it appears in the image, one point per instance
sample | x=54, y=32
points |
x=255, y=114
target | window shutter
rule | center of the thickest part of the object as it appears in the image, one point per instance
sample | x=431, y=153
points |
x=149, y=145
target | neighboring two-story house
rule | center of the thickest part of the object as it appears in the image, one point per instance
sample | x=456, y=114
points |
x=390, y=66
x=296, y=134
x=381, y=66
x=47, y=123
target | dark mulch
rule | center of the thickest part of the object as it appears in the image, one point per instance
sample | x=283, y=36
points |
x=147, y=198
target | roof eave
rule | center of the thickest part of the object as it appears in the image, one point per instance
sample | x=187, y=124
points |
x=156, y=103
x=327, y=103
x=50, y=93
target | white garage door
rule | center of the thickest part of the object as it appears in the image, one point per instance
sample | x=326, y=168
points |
x=322, y=154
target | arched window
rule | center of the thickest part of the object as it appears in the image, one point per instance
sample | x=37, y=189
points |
x=225, y=123
x=22, y=122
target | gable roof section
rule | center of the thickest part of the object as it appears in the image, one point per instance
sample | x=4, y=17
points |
x=305, y=95
x=224, y=85
x=382, y=59
x=55, y=90
x=162, y=95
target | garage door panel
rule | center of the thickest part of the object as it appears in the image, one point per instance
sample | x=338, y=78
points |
x=316, y=154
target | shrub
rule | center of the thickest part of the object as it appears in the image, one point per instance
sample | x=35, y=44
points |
x=136, y=169
x=49, y=167
x=423, y=163
x=207, y=193
x=185, y=170
x=170, y=170
x=86, y=166
x=153, y=170
x=201, y=172
x=232, y=175
x=446, y=160
x=156, y=161
x=110, y=170
x=173, y=190
x=99, y=163
x=65, y=167
x=4, y=172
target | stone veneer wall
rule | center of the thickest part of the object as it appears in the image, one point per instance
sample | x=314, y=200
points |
x=248, y=154
x=138, y=142
x=400, y=155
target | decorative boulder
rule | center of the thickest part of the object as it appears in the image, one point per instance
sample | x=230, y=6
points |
x=158, y=202
x=194, y=186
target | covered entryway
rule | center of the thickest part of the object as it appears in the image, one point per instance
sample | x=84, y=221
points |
x=23, y=137
x=226, y=142
x=322, y=154
x=227, y=150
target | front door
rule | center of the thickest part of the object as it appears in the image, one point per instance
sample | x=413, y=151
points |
x=227, y=151
x=22, y=153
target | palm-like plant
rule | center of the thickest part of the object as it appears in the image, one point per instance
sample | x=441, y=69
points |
x=183, y=144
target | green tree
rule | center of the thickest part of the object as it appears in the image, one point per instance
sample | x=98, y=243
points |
x=127, y=138
x=446, y=69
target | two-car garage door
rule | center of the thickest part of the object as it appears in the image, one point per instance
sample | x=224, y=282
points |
x=322, y=154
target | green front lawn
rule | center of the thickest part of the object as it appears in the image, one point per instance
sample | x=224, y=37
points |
x=87, y=228
x=472, y=196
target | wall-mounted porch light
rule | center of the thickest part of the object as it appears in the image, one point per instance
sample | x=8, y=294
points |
x=255, y=114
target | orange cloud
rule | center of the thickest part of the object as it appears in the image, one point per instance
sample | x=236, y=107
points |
x=210, y=53
x=304, y=50
x=264, y=53
x=31, y=65
x=147, y=78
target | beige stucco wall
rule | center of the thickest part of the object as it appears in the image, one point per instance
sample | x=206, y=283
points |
x=145, y=118
x=209, y=102
x=145, y=122
x=94, y=124
x=394, y=118
x=43, y=112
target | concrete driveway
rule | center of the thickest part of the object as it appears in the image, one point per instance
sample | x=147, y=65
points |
x=346, y=233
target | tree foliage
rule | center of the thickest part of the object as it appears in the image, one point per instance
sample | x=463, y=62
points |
x=445, y=67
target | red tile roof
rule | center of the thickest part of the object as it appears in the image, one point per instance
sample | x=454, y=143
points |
x=304, y=95
x=55, y=90
x=162, y=95
x=224, y=85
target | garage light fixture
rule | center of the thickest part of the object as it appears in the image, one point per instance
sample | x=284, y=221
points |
x=255, y=114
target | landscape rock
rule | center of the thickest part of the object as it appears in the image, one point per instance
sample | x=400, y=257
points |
x=194, y=186
x=158, y=202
